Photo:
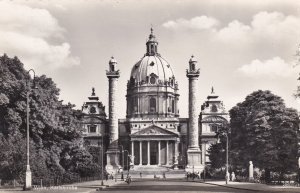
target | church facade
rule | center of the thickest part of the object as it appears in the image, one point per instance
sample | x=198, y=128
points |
x=153, y=135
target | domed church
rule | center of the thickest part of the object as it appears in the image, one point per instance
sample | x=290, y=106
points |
x=153, y=136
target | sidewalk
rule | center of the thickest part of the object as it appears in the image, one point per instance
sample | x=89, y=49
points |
x=97, y=184
x=255, y=187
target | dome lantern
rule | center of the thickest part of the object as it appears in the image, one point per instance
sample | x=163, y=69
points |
x=151, y=44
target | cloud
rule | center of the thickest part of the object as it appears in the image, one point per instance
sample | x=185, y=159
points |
x=266, y=26
x=275, y=67
x=236, y=30
x=200, y=23
x=273, y=26
x=29, y=33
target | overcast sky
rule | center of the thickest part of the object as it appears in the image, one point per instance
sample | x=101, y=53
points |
x=241, y=46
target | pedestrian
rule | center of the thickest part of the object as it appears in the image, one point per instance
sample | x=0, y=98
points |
x=140, y=174
x=233, y=176
x=164, y=175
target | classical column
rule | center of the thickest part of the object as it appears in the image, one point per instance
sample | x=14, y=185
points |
x=132, y=152
x=193, y=152
x=193, y=134
x=113, y=149
x=148, y=153
x=113, y=75
x=203, y=148
x=141, y=158
x=167, y=152
x=159, y=163
x=176, y=151
x=176, y=154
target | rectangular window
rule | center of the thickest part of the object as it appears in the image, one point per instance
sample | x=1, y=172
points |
x=93, y=128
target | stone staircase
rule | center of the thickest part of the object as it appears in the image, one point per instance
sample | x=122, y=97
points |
x=154, y=172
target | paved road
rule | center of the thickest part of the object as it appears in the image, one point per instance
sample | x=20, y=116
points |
x=171, y=186
x=151, y=186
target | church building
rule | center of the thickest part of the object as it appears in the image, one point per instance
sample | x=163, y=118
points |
x=153, y=136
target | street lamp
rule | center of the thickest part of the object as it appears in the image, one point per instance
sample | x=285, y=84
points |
x=102, y=161
x=28, y=178
x=227, y=173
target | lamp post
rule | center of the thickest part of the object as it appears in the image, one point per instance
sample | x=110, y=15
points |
x=28, y=178
x=102, y=160
x=226, y=135
x=227, y=176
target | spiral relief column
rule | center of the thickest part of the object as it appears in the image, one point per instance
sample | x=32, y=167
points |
x=113, y=151
x=193, y=152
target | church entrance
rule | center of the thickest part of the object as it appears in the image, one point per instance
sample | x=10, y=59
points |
x=153, y=153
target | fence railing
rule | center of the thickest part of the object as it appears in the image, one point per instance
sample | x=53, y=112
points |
x=46, y=182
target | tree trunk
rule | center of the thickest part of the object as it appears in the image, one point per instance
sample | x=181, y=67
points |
x=267, y=176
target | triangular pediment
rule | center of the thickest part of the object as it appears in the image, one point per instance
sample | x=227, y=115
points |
x=154, y=130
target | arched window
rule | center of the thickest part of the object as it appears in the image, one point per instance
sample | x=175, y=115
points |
x=193, y=67
x=135, y=104
x=112, y=67
x=214, y=108
x=152, y=80
x=152, y=105
x=152, y=48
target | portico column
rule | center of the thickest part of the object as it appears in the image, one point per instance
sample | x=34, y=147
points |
x=148, y=153
x=132, y=151
x=203, y=152
x=141, y=158
x=158, y=152
x=167, y=149
x=176, y=154
x=176, y=150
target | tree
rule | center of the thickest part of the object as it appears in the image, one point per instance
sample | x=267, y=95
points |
x=54, y=126
x=265, y=131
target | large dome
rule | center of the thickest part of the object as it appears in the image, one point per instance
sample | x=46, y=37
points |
x=150, y=66
x=152, y=87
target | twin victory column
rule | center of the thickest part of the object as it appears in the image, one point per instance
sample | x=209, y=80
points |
x=153, y=135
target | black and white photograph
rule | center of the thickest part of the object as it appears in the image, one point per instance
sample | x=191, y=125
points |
x=197, y=96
